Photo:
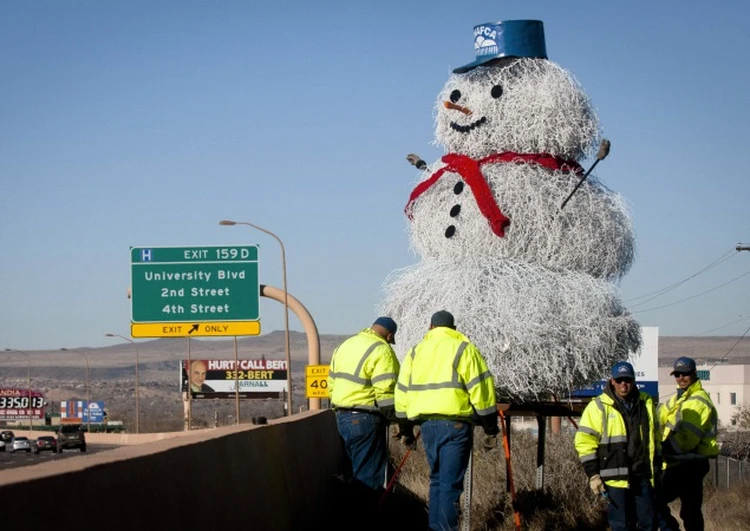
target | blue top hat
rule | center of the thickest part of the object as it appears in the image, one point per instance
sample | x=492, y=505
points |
x=510, y=38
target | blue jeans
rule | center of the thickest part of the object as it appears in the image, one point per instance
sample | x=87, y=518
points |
x=365, y=443
x=447, y=444
x=631, y=508
x=684, y=481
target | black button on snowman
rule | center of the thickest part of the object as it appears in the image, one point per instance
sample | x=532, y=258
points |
x=533, y=286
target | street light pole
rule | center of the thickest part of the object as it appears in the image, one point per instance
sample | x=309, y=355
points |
x=88, y=388
x=137, y=362
x=286, y=306
x=236, y=382
x=28, y=386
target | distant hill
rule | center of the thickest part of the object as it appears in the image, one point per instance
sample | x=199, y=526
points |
x=156, y=351
x=734, y=350
x=272, y=345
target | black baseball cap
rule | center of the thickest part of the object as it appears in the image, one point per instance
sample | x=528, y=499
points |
x=443, y=318
x=389, y=324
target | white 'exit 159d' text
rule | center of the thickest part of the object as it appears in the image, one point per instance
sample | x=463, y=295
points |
x=219, y=254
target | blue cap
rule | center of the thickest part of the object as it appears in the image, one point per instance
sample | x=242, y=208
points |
x=389, y=324
x=683, y=364
x=623, y=369
x=509, y=38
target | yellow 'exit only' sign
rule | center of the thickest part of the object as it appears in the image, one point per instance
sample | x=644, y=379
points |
x=316, y=381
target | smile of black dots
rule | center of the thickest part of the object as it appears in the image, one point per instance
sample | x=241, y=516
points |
x=470, y=127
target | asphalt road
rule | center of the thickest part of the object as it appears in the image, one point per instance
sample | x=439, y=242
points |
x=18, y=459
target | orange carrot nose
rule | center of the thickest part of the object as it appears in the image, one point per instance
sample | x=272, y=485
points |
x=451, y=105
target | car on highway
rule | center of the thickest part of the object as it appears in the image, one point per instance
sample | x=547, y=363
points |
x=2, y=445
x=20, y=444
x=71, y=436
x=6, y=436
x=44, y=443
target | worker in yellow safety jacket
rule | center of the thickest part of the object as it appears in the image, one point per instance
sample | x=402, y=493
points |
x=689, y=421
x=444, y=385
x=361, y=381
x=617, y=442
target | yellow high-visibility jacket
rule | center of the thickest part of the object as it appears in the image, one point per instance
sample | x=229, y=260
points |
x=363, y=373
x=690, y=424
x=602, y=444
x=444, y=376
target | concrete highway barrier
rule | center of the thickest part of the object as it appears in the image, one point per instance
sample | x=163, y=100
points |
x=277, y=476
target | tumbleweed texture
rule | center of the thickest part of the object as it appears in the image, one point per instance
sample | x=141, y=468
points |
x=541, y=331
x=592, y=234
x=526, y=105
x=531, y=284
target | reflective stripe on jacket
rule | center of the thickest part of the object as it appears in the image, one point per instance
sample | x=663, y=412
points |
x=444, y=376
x=363, y=373
x=602, y=443
x=690, y=424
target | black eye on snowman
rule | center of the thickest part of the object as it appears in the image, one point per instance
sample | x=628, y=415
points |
x=496, y=91
x=455, y=96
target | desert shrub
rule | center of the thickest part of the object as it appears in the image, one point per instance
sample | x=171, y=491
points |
x=736, y=445
x=725, y=509
x=741, y=417
x=564, y=504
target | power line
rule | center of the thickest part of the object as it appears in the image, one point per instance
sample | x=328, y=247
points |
x=723, y=258
x=739, y=247
x=693, y=296
x=732, y=347
x=723, y=326
x=724, y=357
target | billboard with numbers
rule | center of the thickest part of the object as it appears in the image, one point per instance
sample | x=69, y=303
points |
x=16, y=404
x=251, y=378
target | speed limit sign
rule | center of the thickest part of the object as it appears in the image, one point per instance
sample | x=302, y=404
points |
x=316, y=381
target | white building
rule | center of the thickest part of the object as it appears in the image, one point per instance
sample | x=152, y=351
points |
x=728, y=386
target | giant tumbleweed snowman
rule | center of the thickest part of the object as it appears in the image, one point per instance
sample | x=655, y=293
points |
x=531, y=284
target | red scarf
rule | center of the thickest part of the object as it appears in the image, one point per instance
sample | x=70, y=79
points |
x=471, y=172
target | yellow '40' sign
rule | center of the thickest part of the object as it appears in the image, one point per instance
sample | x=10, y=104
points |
x=316, y=381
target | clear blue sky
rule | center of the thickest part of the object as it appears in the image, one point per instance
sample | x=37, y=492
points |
x=144, y=123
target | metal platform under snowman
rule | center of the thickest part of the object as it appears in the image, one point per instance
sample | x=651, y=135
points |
x=540, y=410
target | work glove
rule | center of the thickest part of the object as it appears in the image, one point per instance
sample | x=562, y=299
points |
x=409, y=441
x=406, y=434
x=405, y=429
x=489, y=423
x=597, y=485
x=489, y=442
x=492, y=430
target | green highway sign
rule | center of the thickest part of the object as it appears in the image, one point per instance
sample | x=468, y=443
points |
x=194, y=284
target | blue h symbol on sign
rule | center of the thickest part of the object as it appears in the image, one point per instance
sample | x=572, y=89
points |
x=146, y=255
